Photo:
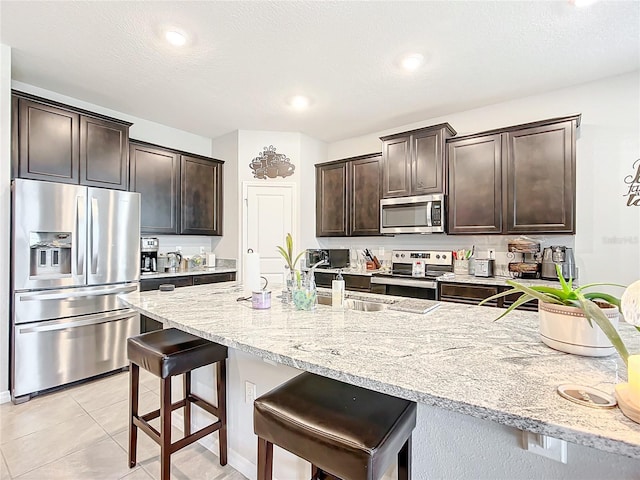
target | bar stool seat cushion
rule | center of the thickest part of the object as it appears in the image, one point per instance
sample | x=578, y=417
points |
x=170, y=352
x=343, y=429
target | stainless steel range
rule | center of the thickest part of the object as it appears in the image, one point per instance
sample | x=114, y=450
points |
x=413, y=273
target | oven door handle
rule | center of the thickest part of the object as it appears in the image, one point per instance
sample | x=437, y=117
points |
x=86, y=320
x=404, y=282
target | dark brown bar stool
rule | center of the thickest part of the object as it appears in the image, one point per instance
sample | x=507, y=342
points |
x=167, y=353
x=345, y=431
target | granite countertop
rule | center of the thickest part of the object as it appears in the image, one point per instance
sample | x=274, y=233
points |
x=455, y=357
x=187, y=273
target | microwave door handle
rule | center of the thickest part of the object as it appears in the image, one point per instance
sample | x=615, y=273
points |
x=80, y=239
x=429, y=219
x=95, y=235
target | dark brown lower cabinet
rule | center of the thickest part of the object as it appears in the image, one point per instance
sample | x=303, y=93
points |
x=473, y=294
x=359, y=283
x=348, y=196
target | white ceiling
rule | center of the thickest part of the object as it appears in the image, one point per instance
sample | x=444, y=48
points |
x=247, y=58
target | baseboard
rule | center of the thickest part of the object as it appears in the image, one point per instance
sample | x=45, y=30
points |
x=5, y=396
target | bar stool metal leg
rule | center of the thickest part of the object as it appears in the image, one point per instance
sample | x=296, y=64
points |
x=265, y=459
x=221, y=384
x=404, y=461
x=187, y=405
x=134, y=378
x=165, y=428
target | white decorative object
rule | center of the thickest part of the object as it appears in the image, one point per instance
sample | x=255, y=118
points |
x=566, y=329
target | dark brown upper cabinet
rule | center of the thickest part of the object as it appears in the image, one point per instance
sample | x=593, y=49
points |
x=348, y=196
x=55, y=142
x=201, y=196
x=104, y=153
x=475, y=185
x=413, y=162
x=180, y=193
x=155, y=174
x=514, y=180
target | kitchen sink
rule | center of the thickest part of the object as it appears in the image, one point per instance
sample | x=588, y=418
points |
x=353, y=304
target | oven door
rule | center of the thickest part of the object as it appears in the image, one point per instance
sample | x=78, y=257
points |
x=418, y=214
x=404, y=286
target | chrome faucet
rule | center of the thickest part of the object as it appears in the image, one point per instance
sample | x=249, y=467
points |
x=311, y=278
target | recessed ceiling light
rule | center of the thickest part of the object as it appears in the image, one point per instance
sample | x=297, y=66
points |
x=582, y=3
x=411, y=61
x=299, y=102
x=175, y=38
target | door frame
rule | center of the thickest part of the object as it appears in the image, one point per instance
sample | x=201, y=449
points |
x=244, y=223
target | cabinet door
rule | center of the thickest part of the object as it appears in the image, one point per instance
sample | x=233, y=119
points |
x=331, y=200
x=396, y=167
x=540, y=175
x=200, y=196
x=428, y=159
x=154, y=174
x=475, y=185
x=104, y=153
x=48, y=142
x=213, y=278
x=365, y=190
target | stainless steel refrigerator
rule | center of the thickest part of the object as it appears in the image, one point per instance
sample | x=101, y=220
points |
x=74, y=250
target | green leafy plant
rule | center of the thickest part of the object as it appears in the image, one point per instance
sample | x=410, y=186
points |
x=288, y=253
x=572, y=297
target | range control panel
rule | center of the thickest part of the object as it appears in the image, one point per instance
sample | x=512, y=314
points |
x=428, y=257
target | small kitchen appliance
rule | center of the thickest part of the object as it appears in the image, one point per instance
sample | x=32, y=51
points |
x=559, y=255
x=149, y=254
x=415, y=214
x=335, y=257
x=484, y=267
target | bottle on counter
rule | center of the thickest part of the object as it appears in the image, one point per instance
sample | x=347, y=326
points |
x=337, y=291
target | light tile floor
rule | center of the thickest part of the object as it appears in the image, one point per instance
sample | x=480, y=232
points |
x=81, y=433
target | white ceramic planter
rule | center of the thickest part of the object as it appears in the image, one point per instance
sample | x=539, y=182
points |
x=566, y=329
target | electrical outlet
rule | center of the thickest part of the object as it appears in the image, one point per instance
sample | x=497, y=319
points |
x=546, y=446
x=201, y=250
x=178, y=249
x=491, y=253
x=249, y=392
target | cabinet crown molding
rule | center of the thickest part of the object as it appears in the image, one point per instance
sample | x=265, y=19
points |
x=439, y=126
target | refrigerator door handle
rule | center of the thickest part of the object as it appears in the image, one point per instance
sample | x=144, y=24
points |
x=85, y=321
x=80, y=241
x=66, y=295
x=95, y=235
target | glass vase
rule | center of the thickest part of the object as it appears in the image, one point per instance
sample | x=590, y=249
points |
x=287, y=291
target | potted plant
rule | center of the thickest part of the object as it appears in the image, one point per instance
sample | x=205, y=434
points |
x=292, y=277
x=567, y=316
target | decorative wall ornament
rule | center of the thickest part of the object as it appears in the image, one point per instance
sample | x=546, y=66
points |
x=271, y=164
x=633, y=181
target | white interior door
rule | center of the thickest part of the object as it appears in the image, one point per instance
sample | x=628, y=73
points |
x=269, y=214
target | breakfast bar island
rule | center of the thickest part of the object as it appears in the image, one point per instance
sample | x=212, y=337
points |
x=478, y=383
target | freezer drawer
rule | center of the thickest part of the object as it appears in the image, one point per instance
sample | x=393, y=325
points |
x=53, y=353
x=67, y=302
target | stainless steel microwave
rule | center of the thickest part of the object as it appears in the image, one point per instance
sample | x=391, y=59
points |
x=417, y=214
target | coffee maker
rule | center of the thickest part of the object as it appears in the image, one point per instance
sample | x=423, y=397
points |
x=149, y=254
x=559, y=255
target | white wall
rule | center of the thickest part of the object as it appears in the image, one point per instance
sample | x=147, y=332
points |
x=5, y=214
x=226, y=147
